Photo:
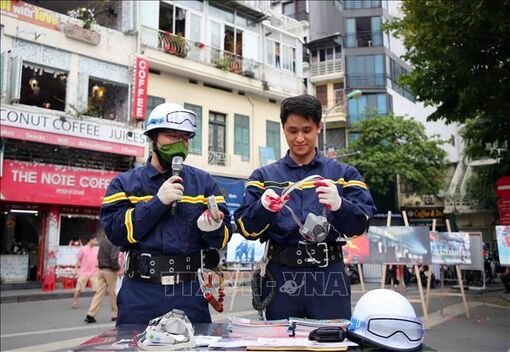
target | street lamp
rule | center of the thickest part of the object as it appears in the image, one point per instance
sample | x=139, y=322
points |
x=355, y=94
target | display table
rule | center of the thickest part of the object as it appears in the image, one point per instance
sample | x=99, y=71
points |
x=124, y=338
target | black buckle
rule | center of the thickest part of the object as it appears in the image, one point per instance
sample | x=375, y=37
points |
x=326, y=254
x=144, y=265
x=313, y=256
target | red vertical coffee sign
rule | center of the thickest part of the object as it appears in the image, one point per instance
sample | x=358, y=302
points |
x=140, y=89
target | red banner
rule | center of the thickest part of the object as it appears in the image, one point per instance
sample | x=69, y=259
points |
x=140, y=90
x=53, y=184
x=504, y=211
x=503, y=187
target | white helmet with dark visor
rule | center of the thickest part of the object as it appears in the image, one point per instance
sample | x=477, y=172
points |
x=172, y=117
x=385, y=318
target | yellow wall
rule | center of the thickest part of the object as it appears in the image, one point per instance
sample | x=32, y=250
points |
x=179, y=90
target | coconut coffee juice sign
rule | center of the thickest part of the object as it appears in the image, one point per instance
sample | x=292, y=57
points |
x=25, y=124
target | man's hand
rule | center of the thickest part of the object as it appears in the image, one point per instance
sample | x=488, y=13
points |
x=328, y=195
x=207, y=223
x=171, y=190
x=272, y=201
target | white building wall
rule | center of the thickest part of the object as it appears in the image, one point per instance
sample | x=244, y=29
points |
x=402, y=106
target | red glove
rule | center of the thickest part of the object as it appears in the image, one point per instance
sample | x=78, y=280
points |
x=272, y=201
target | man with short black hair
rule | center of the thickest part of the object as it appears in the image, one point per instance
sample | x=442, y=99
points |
x=305, y=263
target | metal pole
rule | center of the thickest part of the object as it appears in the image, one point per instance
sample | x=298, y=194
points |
x=324, y=135
x=324, y=148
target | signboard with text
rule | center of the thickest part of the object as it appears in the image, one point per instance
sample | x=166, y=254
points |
x=140, y=89
x=30, y=13
x=37, y=126
x=52, y=184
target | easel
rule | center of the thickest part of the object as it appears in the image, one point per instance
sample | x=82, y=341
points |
x=236, y=283
x=416, y=272
x=445, y=293
x=361, y=280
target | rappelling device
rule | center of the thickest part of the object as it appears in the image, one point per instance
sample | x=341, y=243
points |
x=205, y=278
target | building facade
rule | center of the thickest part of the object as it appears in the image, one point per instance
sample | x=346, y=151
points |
x=68, y=124
x=348, y=50
x=65, y=128
x=231, y=63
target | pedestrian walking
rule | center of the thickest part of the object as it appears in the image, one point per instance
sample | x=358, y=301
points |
x=109, y=264
x=86, y=268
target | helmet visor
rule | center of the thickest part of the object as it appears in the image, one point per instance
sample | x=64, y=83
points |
x=181, y=117
x=388, y=327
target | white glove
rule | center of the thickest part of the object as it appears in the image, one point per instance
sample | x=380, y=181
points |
x=207, y=223
x=171, y=190
x=328, y=195
x=271, y=201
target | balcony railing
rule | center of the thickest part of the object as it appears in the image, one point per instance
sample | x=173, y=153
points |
x=326, y=67
x=363, y=39
x=262, y=6
x=176, y=45
x=366, y=81
x=336, y=106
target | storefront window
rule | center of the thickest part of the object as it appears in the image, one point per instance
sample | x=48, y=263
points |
x=43, y=87
x=19, y=231
x=76, y=227
x=107, y=100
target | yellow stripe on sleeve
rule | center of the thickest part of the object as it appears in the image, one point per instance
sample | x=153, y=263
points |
x=134, y=199
x=225, y=237
x=189, y=199
x=219, y=199
x=257, y=184
x=355, y=183
x=248, y=234
x=115, y=198
x=128, y=221
x=352, y=183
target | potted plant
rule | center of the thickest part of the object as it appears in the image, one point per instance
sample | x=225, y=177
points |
x=84, y=14
x=222, y=63
x=174, y=44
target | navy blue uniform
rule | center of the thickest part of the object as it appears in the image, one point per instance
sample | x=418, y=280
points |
x=135, y=220
x=321, y=293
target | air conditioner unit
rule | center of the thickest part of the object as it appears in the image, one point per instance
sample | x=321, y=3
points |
x=428, y=200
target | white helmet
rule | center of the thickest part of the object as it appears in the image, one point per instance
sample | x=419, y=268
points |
x=173, y=117
x=386, y=318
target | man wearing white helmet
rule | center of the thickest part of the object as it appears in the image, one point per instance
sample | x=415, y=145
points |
x=162, y=221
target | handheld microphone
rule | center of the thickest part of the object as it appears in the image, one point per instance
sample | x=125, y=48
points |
x=176, y=170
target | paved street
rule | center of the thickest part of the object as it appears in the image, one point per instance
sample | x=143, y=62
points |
x=51, y=325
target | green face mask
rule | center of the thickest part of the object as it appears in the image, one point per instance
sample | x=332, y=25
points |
x=166, y=153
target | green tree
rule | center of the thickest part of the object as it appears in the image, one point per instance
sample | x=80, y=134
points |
x=460, y=55
x=393, y=145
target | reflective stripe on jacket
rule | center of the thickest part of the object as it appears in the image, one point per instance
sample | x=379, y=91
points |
x=352, y=219
x=134, y=218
